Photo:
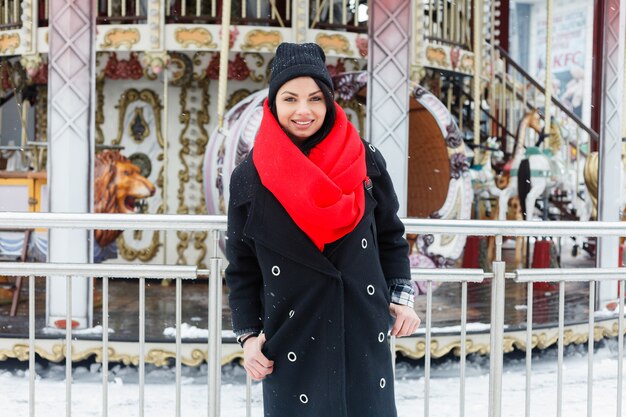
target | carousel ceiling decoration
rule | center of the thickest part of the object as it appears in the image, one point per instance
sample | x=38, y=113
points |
x=9, y=43
x=198, y=37
x=116, y=38
x=259, y=39
x=123, y=69
x=361, y=45
x=337, y=43
x=237, y=69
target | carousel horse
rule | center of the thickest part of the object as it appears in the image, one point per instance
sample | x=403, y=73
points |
x=482, y=173
x=533, y=171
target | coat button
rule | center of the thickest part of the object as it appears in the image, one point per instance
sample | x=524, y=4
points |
x=382, y=382
x=304, y=399
x=291, y=356
x=275, y=270
x=372, y=148
x=364, y=243
x=370, y=289
x=381, y=337
x=291, y=313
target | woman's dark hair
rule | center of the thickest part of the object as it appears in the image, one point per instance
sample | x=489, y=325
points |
x=328, y=123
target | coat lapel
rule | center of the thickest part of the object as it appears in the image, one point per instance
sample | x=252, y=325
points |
x=269, y=224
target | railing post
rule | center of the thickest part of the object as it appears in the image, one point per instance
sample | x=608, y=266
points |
x=496, y=333
x=214, y=356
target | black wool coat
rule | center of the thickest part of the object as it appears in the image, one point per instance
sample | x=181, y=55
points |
x=325, y=314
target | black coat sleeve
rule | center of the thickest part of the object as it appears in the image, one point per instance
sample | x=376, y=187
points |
x=243, y=275
x=393, y=247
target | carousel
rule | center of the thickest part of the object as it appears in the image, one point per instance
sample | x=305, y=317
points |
x=148, y=106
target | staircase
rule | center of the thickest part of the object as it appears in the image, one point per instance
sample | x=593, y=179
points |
x=507, y=94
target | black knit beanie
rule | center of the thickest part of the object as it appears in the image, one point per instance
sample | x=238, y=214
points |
x=297, y=60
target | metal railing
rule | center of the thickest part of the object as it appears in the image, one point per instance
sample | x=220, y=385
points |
x=449, y=22
x=426, y=226
x=10, y=14
x=349, y=15
x=243, y=12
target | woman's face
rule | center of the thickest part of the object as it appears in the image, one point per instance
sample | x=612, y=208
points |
x=300, y=107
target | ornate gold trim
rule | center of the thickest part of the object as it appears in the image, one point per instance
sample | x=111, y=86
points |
x=129, y=96
x=466, y=63
x=99, y=110
x=540, y=340
x=115, y=38
x=258, y=39
x=199, y=37
x=236, y=97
x=260, y=63
x=157, y=357
x=338, y=43
x=9, y=42
x=359, y=110
x=149, y=97
x=184, y=175
x=145, y=254
x=437, y=56
x=416, y=349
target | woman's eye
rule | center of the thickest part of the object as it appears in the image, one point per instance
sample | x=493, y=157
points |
x=317, y=98
x=290, y=99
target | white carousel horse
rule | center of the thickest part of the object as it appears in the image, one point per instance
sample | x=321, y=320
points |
x=482, y=173
x=534, y=168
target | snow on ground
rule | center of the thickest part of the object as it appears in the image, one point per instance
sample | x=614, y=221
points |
x=160, y=396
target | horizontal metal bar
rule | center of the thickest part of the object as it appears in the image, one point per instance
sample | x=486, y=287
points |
x=448, y=275
x=99, y=270
x=12, y=220
x=105, y=221
x=569, y=274
x=514, y=228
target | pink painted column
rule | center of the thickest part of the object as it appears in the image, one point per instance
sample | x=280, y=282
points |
x=70, y=137
x=610, y=177
x=388, y=90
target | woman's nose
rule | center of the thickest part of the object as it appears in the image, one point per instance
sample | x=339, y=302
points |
x=303, y=108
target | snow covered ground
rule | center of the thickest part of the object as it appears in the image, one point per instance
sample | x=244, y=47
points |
x=444, y=388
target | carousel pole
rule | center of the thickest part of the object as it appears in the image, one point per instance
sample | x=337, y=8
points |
x=478, y=63
x=223, y=78
x=548, y=95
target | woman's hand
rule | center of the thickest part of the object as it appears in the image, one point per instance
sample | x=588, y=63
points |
x=255, y=362
x=406, y=322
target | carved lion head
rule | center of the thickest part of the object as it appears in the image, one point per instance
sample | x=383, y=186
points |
x=119, y=187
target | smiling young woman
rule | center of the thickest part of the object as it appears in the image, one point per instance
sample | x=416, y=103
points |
x=318, y=266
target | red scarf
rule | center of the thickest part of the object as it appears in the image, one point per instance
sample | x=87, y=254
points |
x=322, y=193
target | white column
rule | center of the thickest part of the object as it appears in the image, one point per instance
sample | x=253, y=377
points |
x=610, y=181
x=388, y=88
x=71, y=145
